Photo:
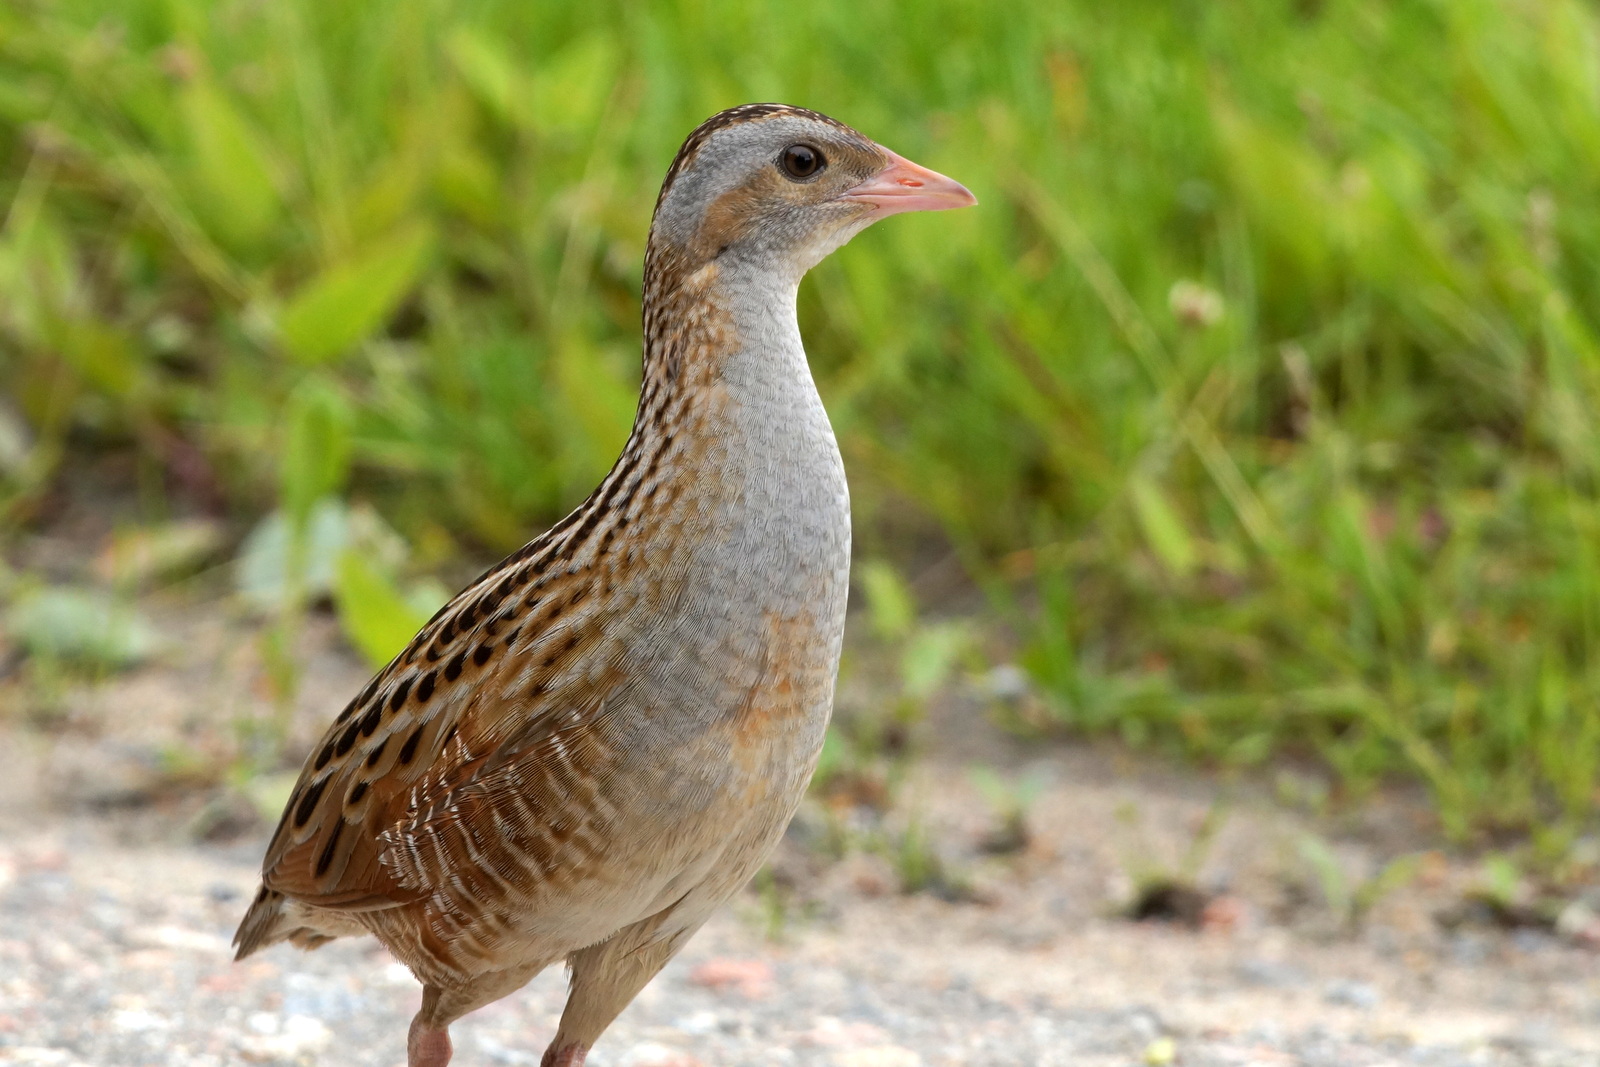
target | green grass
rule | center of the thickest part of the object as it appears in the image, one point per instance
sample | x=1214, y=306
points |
x=1336, y=492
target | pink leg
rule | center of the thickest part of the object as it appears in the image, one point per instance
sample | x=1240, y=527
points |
x=565, y=1056
x=426, y=1047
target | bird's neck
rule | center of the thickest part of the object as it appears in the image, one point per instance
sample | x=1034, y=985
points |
x=732, y=466
x=760, y=502
x=726, y=377
x=720, y=333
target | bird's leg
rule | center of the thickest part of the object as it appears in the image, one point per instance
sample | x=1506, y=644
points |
x=429, y=1042
x=565, y=1056
x=605, y=977
x=426, y=1045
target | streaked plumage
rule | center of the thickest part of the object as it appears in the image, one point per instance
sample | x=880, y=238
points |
x=599, y=740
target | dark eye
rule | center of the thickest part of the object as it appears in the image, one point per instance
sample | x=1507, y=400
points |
x=801, y=161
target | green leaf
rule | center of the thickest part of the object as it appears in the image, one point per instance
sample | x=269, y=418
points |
x=595, y=406
x=889, y=602
x=489, y=72
x=569, y=90
x=316, y=453
x=103, y=354
x=1330, y=873
x=344, y=304
x=228, y=166
x=143, y=554
x=930, y=656
x=375, y=615
x=80, y=626
x=270, y=576
x=466, y=180
x=1502, y=881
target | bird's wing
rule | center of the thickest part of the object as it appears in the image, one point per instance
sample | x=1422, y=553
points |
x=480, y=717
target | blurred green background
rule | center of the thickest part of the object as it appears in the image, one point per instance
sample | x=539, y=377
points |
x=1257, y=398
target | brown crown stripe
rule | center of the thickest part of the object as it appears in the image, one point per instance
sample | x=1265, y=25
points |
x=721, y=121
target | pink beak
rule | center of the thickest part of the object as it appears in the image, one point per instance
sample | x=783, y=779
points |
x=904, y=186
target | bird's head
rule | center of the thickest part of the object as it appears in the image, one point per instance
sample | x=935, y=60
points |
x=780, y=187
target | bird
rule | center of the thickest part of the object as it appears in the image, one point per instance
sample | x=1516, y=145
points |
x=600, y=739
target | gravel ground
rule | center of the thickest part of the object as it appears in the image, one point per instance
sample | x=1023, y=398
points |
x=112, y=954
x=114, y=922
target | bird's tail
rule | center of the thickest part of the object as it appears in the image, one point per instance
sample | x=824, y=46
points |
x=273, y=917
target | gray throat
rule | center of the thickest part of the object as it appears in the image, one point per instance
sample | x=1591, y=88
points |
x=790, y=516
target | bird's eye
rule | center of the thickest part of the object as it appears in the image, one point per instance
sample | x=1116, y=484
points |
x=801, y=161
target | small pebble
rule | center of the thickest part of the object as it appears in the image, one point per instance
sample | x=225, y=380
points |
x=700, y=1023
x=1270, y=973
x=137, y=1021
x=1352, y=994
x=1161, y=1052
x=287, y=1037
x=751, y=978
x=877, y=1056
x=649, y=1054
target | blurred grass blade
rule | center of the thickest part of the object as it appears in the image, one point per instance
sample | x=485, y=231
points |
x=1163, y=527
x=568, y=92
x=316, y=452
x=491, y=74
x=889, y=601
x=231, y=175
x=344, y=304
x=375, y=615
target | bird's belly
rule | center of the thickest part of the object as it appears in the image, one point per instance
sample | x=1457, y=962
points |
x=696, y=795
x=687, y=830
